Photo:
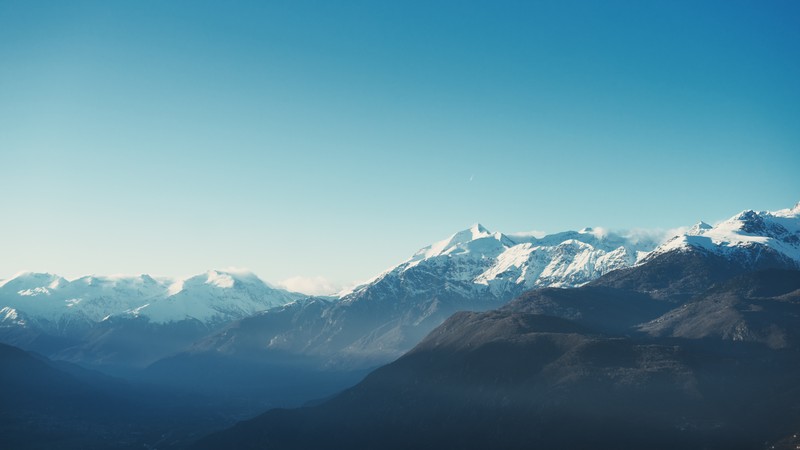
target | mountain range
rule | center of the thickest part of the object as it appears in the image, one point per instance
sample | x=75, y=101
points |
x=86, y=320
x=693, y=347
x=511, y=378
x=477, y=270
x=573, y=320
x=51, y=302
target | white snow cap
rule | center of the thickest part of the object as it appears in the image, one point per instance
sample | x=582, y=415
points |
x=481, y=259
x=211, y=296
x=789, y=212
x=778, y=230
x=462, y=242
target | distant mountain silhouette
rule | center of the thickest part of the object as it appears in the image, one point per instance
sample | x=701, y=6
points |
x=49, y=404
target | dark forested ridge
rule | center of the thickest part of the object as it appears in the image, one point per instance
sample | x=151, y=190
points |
x=594, y=367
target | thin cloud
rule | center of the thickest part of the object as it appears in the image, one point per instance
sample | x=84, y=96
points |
x=311, y=285
x=528, y=234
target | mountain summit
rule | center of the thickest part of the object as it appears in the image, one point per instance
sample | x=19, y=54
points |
x=477, y=239
x=473, y=269
x=749, y=237
x=52, y=301
x=126, y=320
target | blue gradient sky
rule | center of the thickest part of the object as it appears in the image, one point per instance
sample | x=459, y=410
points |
x=335, y=138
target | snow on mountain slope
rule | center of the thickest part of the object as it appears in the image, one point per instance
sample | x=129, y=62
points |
x=474, y=269
x=746, y=237
x=485, y=261
x=214, y=297
x=51, y=301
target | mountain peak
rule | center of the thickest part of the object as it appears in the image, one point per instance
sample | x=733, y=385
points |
x=477, y=230
x=220, y=279
x=747, y=215
x=793, y=212
x=460, y=242
x=224, y=279
x=747, y=233
x=241, y=275
x=28, y=275
x=699, y=228
x=472, y=233
x=29, y=279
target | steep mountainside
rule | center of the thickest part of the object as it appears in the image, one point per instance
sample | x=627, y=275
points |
x=489, y=263
x=762, y=307
x=319, y=346
x=478, y=270
x=693, y=330
x=54, y=303
x=679, y=271
x=747, y=237
x=687, y=264
x=514, y=379
x=126, y=320
x=471, y=270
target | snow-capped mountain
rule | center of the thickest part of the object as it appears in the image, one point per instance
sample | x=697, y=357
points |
x=474, y=269
x=54, y=303
x=493, y=263
x=215, y=296
x=687, y=264
x=749, y=238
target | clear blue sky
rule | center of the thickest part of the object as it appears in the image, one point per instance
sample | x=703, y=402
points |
x=334, y=138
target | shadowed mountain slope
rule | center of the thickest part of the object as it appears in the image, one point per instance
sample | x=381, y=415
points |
x=514, y=379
